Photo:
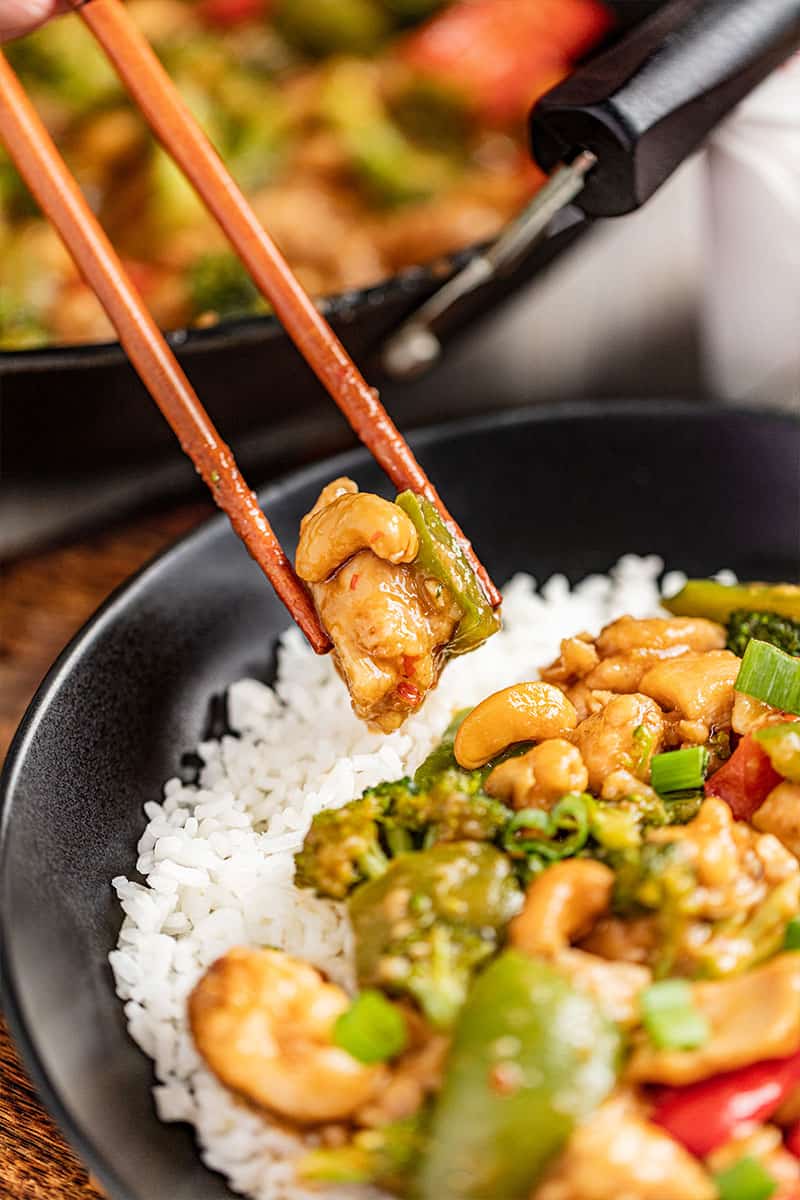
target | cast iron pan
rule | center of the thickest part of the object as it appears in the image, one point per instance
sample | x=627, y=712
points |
x=537, y=491
x=67, y=409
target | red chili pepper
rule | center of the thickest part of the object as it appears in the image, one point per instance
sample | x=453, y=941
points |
x=705, y=1115
x=354, y=581
x=227, y=13
x=745, y=780
x=409, y=665
x=505, y=53
x=408, y=692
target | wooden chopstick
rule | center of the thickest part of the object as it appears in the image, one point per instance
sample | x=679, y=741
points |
x=60, y=198
x=159, y=100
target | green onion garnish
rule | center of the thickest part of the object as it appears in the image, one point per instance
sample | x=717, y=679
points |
x=670, y=1017
x=679, y=770
x=372, y=1029
x=791, y=940
x=549, y=837
x=745, y=1180
x=770, y=675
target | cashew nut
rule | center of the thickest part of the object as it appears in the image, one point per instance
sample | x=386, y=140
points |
x=351, y=522
x=526, y=712
x=561, y=905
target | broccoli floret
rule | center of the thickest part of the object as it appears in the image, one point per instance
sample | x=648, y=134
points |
x=441, y=804
x=333, y=26
x=454, y=809
x=218, y=283
x=384, y=1157
x=342, y=848
x=439, y=979
x=430, y=920
x=770, y=627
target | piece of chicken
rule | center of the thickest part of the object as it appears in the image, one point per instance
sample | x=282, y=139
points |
x=618, y=1155
x=389, y=621
x=751, y=1017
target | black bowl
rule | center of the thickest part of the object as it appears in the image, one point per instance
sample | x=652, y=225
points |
x=569, y=492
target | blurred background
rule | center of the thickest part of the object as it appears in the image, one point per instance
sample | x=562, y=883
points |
x=380, y=141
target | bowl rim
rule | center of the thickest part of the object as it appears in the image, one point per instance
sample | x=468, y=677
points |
x=24, y=1037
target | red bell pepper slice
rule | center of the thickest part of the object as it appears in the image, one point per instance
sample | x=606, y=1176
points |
x=224, y=14
x=705, y=1115
x=792, y=1139
x=745, y=780
x=503, y=54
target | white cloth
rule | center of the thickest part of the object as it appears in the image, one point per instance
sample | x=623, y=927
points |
x=750, y=312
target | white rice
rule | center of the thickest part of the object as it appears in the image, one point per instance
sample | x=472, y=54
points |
x=218, y=857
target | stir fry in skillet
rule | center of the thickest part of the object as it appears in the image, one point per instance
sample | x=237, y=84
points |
x=369, y=136
x=576, y=932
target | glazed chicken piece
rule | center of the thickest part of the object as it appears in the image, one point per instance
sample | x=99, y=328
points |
x=780, y=815
x=618, y=659
x=735, y=866
x=719, y=893
x=388, y=619
x=623, y=736
x=698, y=685
x=765, y=1144
x=618, y=1155
x=751, y=1017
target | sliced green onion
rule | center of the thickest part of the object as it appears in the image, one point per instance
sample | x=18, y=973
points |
x=745, y=1180
x=679, y=770
x=372, y=1029
x=791, y=940
x=770, y=675
x=563, y=831
x=782, y=744
x=670, y=1017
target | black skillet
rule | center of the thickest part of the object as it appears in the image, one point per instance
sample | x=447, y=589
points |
x=66, y=408
x=542, y=492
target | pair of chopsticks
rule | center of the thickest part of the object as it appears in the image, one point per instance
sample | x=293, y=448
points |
x=57, y=193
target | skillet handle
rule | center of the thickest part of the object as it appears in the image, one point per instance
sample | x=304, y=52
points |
x=646, y=103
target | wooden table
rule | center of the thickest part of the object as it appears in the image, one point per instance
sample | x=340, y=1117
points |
x=43, y=601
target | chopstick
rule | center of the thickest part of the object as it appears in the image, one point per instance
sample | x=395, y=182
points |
x=59, y=196
x=160, y=102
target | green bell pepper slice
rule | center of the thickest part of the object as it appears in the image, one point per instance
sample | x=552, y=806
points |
x=440, y=555
x=707, y=598
x=531, y=1057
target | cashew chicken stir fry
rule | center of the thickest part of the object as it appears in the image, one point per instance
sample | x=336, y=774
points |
x=394, y=592
x=576, y=928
